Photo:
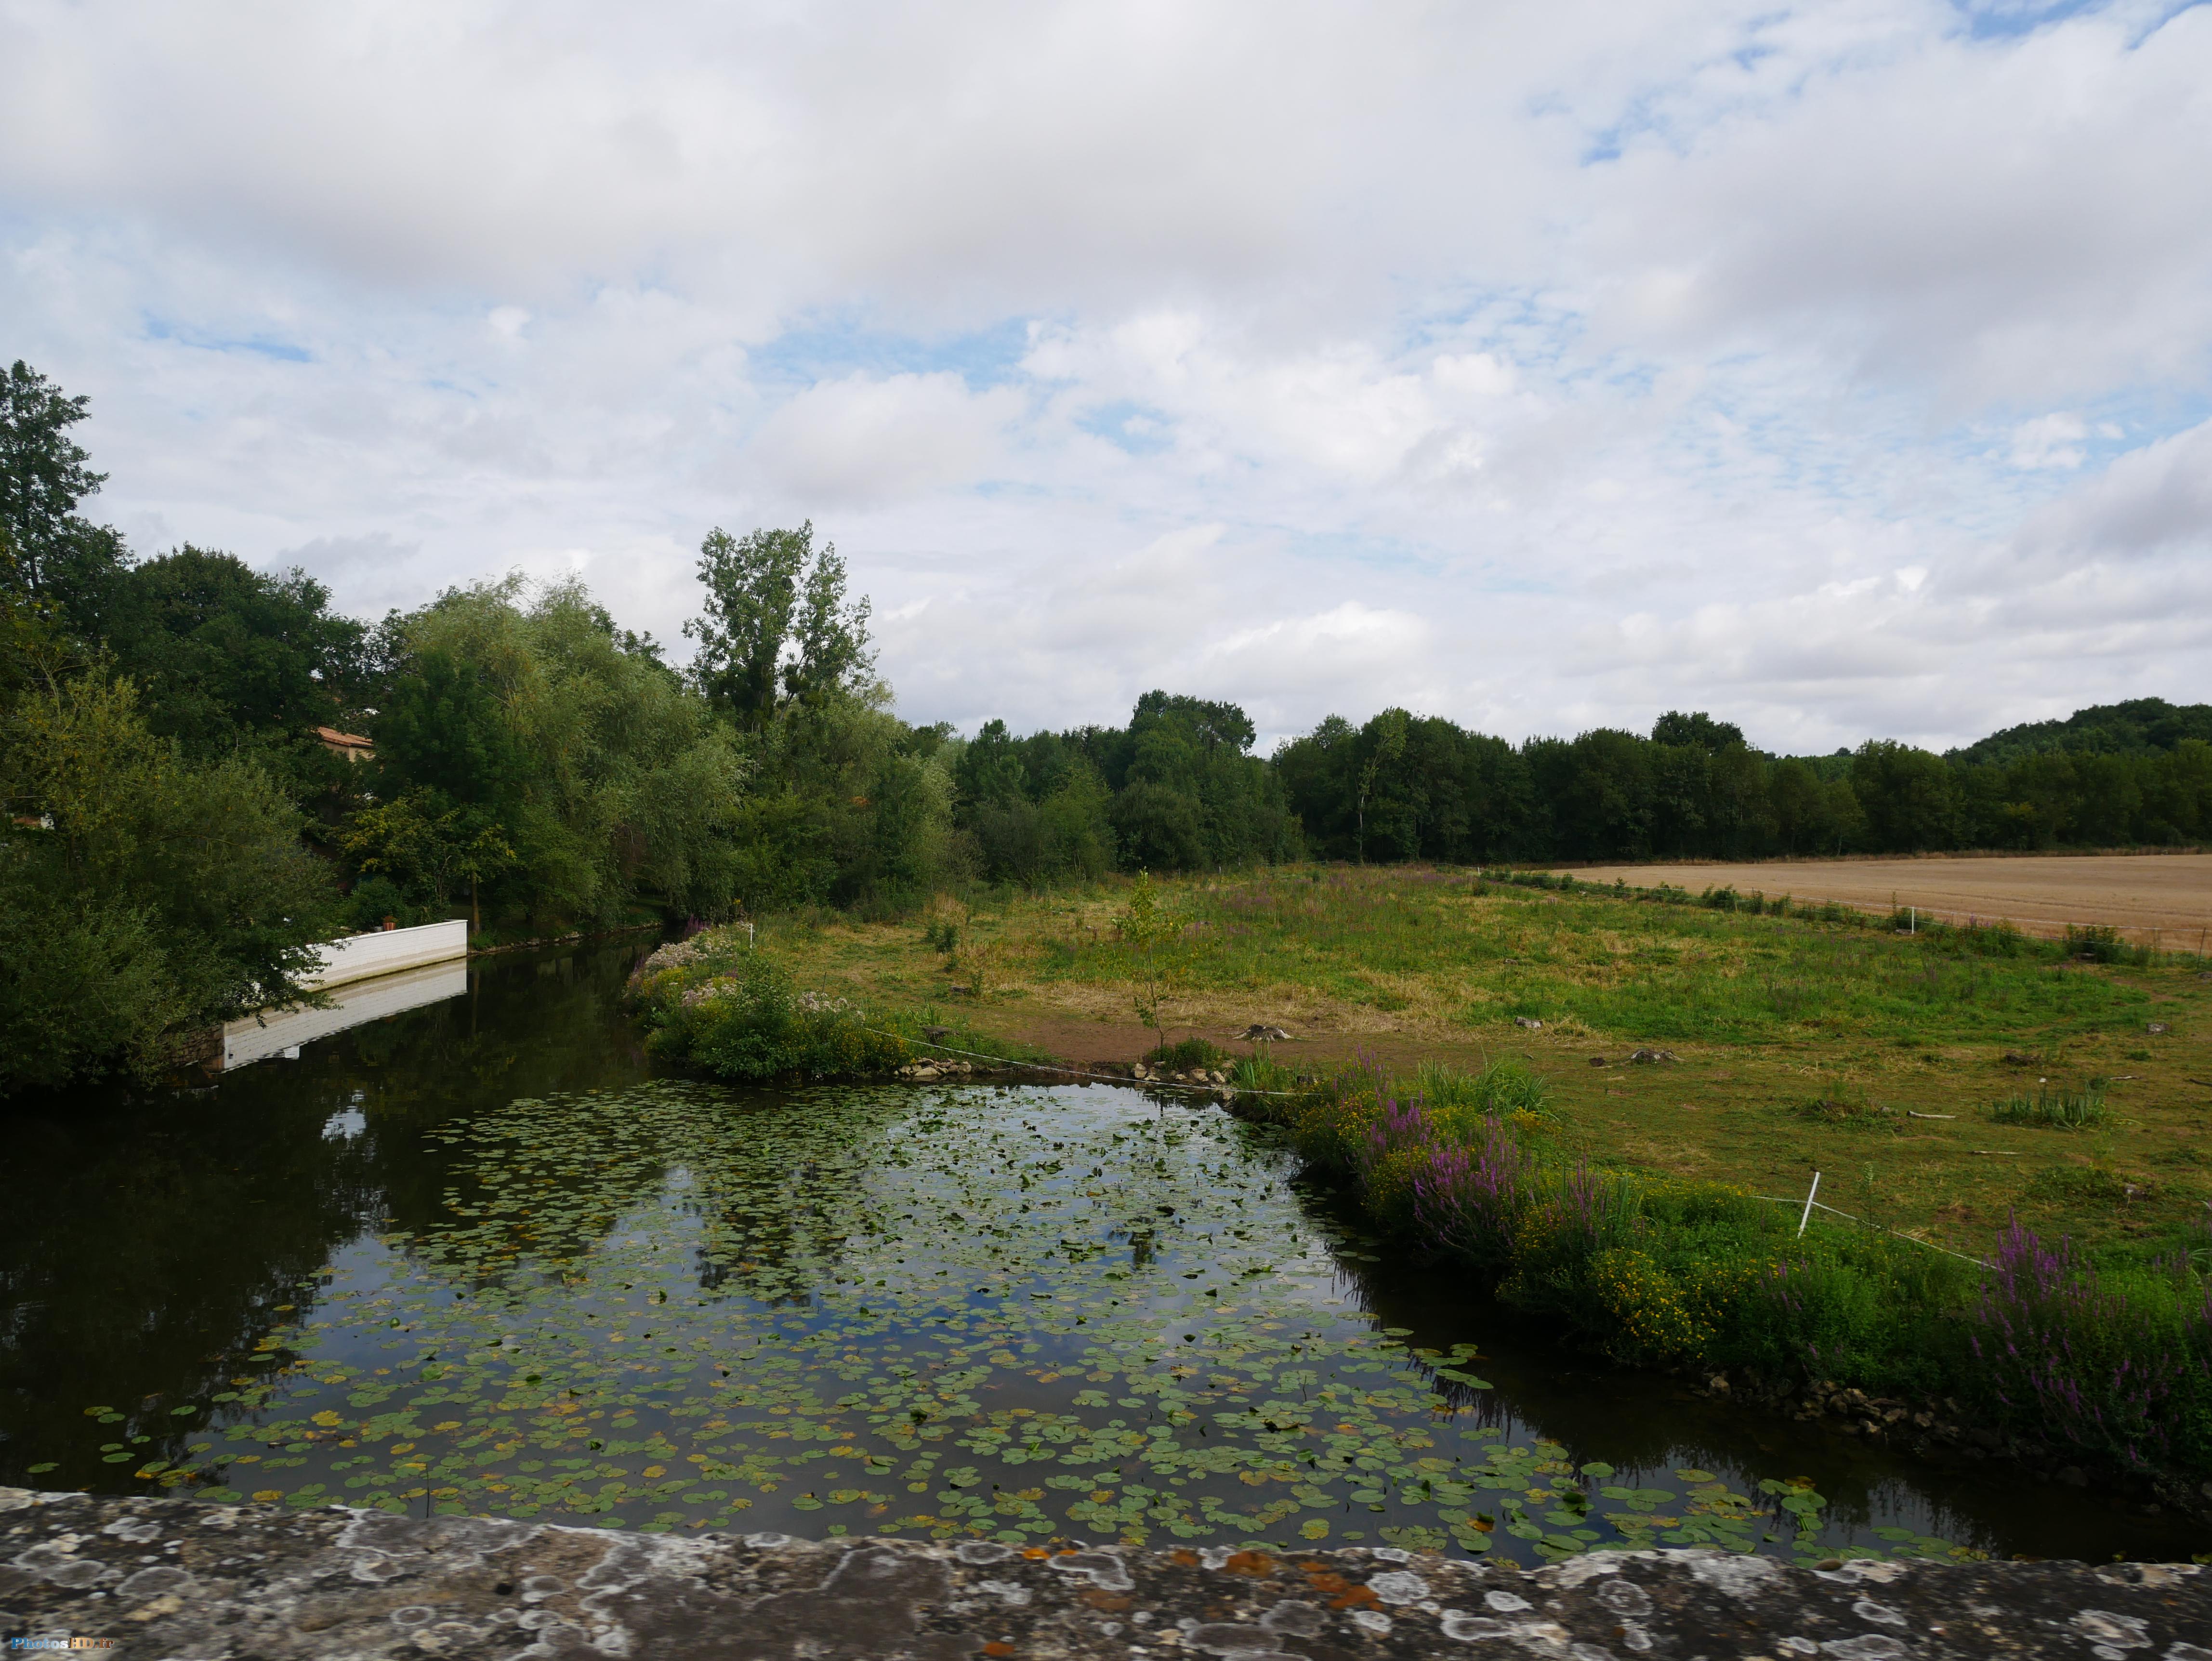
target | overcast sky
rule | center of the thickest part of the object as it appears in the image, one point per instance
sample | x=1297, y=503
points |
x=1843, y=368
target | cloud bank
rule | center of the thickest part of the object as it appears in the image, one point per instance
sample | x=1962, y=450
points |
x=1842, y=369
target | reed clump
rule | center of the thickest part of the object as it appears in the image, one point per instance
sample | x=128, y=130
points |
x=2063, y=1108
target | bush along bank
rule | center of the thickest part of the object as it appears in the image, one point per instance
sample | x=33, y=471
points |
x=2098, y=1371
x=724, y=1005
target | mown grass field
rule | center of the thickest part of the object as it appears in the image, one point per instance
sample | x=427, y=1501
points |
x=1802, y=1045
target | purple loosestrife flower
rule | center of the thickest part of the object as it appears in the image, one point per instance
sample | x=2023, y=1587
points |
x=2098, y=1366
x=1470, y=1199
x=1582, y=1200
x=1399, y=1125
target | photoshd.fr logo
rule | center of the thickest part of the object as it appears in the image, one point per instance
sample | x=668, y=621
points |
x=61, y=1643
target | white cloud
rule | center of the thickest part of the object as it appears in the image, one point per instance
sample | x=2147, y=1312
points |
x=861, y=441
x=1541, y=367
x=2157, y=499
x=2051, y=440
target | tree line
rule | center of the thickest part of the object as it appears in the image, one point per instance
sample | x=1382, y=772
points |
x=1407, y=786
x=180, y=829
x=1177, y=790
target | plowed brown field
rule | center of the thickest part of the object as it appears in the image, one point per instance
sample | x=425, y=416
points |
x=2171, y=893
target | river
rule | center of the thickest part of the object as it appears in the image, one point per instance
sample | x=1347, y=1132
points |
x=478, y=1256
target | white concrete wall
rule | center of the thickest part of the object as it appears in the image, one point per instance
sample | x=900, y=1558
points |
x=359, y=955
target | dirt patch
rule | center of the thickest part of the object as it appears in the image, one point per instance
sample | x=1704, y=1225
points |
x=2171, y=893
x=1084, y=1043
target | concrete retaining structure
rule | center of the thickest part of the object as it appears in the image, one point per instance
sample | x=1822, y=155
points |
x=190, y=1581
x=357, y=956
x=256, y=1038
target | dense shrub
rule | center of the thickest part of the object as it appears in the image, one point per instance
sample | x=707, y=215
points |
x=736, y=1013
x=2118, y=1363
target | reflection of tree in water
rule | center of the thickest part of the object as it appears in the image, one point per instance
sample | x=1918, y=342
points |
x=777, y=1188
x=175, y=1227
x=787, y=1190
x=1141, y=1238
x=170, y=1232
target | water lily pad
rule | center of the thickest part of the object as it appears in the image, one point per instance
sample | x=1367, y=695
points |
x=1012, y=1310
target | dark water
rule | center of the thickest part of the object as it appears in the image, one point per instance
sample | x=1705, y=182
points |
x=475, y=1257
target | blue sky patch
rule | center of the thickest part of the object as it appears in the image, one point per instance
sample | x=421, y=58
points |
x=830, y=348
x=160, y=328
x=1136, y=428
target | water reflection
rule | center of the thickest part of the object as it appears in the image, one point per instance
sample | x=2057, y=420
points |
x=157, y=1235
x=459, y=1257
x=257, y=1037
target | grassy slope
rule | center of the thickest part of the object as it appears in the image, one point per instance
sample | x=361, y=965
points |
x=1768, y=1015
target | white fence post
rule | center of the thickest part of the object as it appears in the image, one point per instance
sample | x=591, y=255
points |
x=1807, y=1217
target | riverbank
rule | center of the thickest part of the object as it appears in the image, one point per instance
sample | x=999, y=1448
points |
x=2097, y=1377
x=180, y=1578
x=2054, y=1294
x=1887, y=1063
x=649, y=1271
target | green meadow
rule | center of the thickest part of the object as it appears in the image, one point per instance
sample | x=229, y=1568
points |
x=1823, y=1040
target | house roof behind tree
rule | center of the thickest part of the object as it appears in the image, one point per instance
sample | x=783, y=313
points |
x=352, y=745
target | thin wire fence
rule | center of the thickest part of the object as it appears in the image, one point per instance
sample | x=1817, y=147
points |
x=1821, y=1205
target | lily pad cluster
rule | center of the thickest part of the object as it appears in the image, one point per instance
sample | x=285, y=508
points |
x=1024, y=1313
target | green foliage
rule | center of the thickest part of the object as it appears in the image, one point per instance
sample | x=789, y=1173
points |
x=373, y=900
x=1262, y=1074
x=1410, y=788
x=2138, y=727
x=735, y=1014
x=1504, y=1087
x=2062, y=1108
x=1154, y=932
x=423, y=842
x=849, y=806
x=85, y=983
x=764, y=592
x=1182, y=1057
x=1670, y=1272
x=534, y=754
x=1175, y=790
x=148, y=894
x=226, y=658
x=2097, y=943
x=43, y=475
x=1699, y=732
x=1188, y=794
x=1036, y=809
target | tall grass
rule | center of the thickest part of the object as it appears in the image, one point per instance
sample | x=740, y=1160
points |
x=2063, y=1109
x=2118, y=1363
x=1461, y=1168
x=737, y=1014
x=1185, y=1054
x=2099, y=944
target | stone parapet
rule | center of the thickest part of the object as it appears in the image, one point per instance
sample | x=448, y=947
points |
x=185, y=1580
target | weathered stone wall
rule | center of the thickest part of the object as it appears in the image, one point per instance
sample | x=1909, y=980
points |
x=188, y=1581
